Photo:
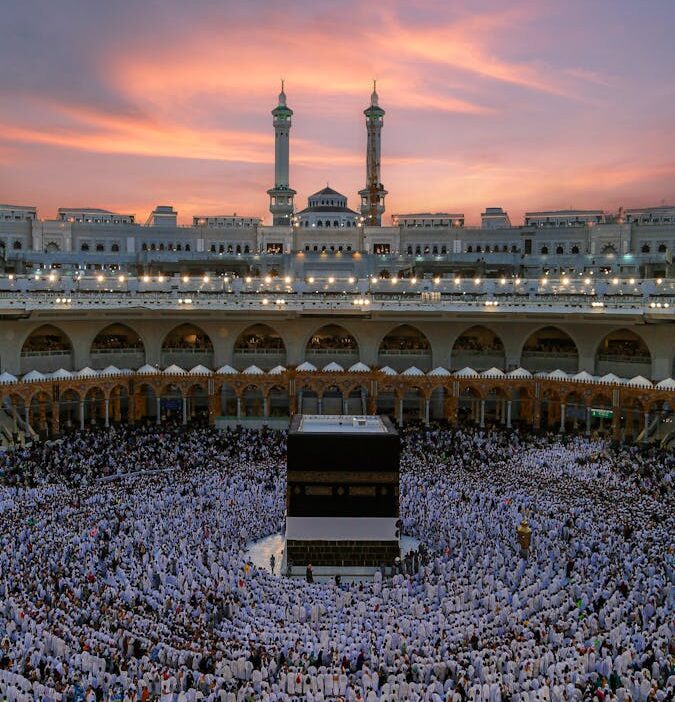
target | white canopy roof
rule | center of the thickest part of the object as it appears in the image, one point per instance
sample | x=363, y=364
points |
x=60, y=374
x=439, y=370
x=492, y=373
x=7, y=378
x=584, y=377
x=611, y=378
x=32, y=376
x=466, y=372
x=253, y=370
x=306, y=367
x=519, y=373
x=665, y=384
x=333, y=367
x=639, y=382
x=200, y=370
x=388, y=371
x=359, y=367
x=277, y=370
x=557, y=373
x=147, y=369
x=413, y=370
x=111, y=370
x=227, y=370
x=173, y=369
x=87, y=372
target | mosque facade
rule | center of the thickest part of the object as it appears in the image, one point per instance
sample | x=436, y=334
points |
x=424, y=317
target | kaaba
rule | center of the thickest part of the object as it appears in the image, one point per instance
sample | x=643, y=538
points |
x=342, y=494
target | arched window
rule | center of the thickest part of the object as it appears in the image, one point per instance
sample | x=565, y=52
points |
x=179, y=247
x=514, y=248
x=247, y=249
x=479, y=249
x=645, y=248
x=144, y=247
x=662, y=248
x=319, y=223
x=544, y=250
x=336, y=223
x=153, y=247
x=409, y=250
x=444, y=249
x=238, y=249
x=328, y=222
x=115, y=248
x=187, y=247
x=469, y=249
x=83, y=247
x=559, y=250
x=161, y=247
x=575, y=249
x=100, y=247
x=17, y=246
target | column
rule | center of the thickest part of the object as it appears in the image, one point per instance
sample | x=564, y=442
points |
x=562, y=417
x=299, y=401
x=238, y=407
x=158, y=405
x=185, y=410
x=482, y=413
x=27, y=418
x=319, y=405
x=117, y=405
x=81, y=415
x=106, y=411
x=616, y=423
x=646, y=428
x=55, y=419
x=344, y=405
x=266, y=406
x=588, y=421
x=42, y=417
x=508, y=414
x=400, y=412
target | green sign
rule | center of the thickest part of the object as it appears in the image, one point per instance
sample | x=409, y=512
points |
x=602, y=413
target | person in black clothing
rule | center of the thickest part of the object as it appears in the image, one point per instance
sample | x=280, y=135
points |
x=309, y=575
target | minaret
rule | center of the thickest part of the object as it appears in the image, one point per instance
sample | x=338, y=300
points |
x=372, y=196
x=281, y=195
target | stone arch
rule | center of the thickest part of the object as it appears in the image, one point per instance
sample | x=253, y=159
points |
x=260, y=345
x=332, y=343
x=478, y=347
x=119, y=345
x=549, y=348
x=468, y=404
x=625, y=353
x=403, y=346
x=278, y=401
x=46, y=349
x=253, y=401
x=187, y=345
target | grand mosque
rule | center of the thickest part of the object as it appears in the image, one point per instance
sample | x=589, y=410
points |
x=564, y=320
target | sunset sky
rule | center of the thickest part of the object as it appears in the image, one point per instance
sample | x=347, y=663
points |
x=526, y=105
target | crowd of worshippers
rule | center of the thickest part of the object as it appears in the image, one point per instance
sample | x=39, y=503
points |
x=138, y=588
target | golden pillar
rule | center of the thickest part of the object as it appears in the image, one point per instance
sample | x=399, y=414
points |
x=524, y=535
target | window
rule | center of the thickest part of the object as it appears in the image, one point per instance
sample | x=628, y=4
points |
x=221, y=248
x=100, y=247
x=645, y=248
x=544, y=250
x=83, y=247
x=319, y=223
x=115, y=248
x=238, y=249
x=187, y=247
x=559, y=250
x=328, y=222
x=336, y=223
x=662, y=248
x=161, y=247
x=213, y=248
x=469, y=249
x=144, y=247
x=435, y=250
x=444, y=250
x=575, y=249
x=479, y=249
x=153, y=247
x=247, y=249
